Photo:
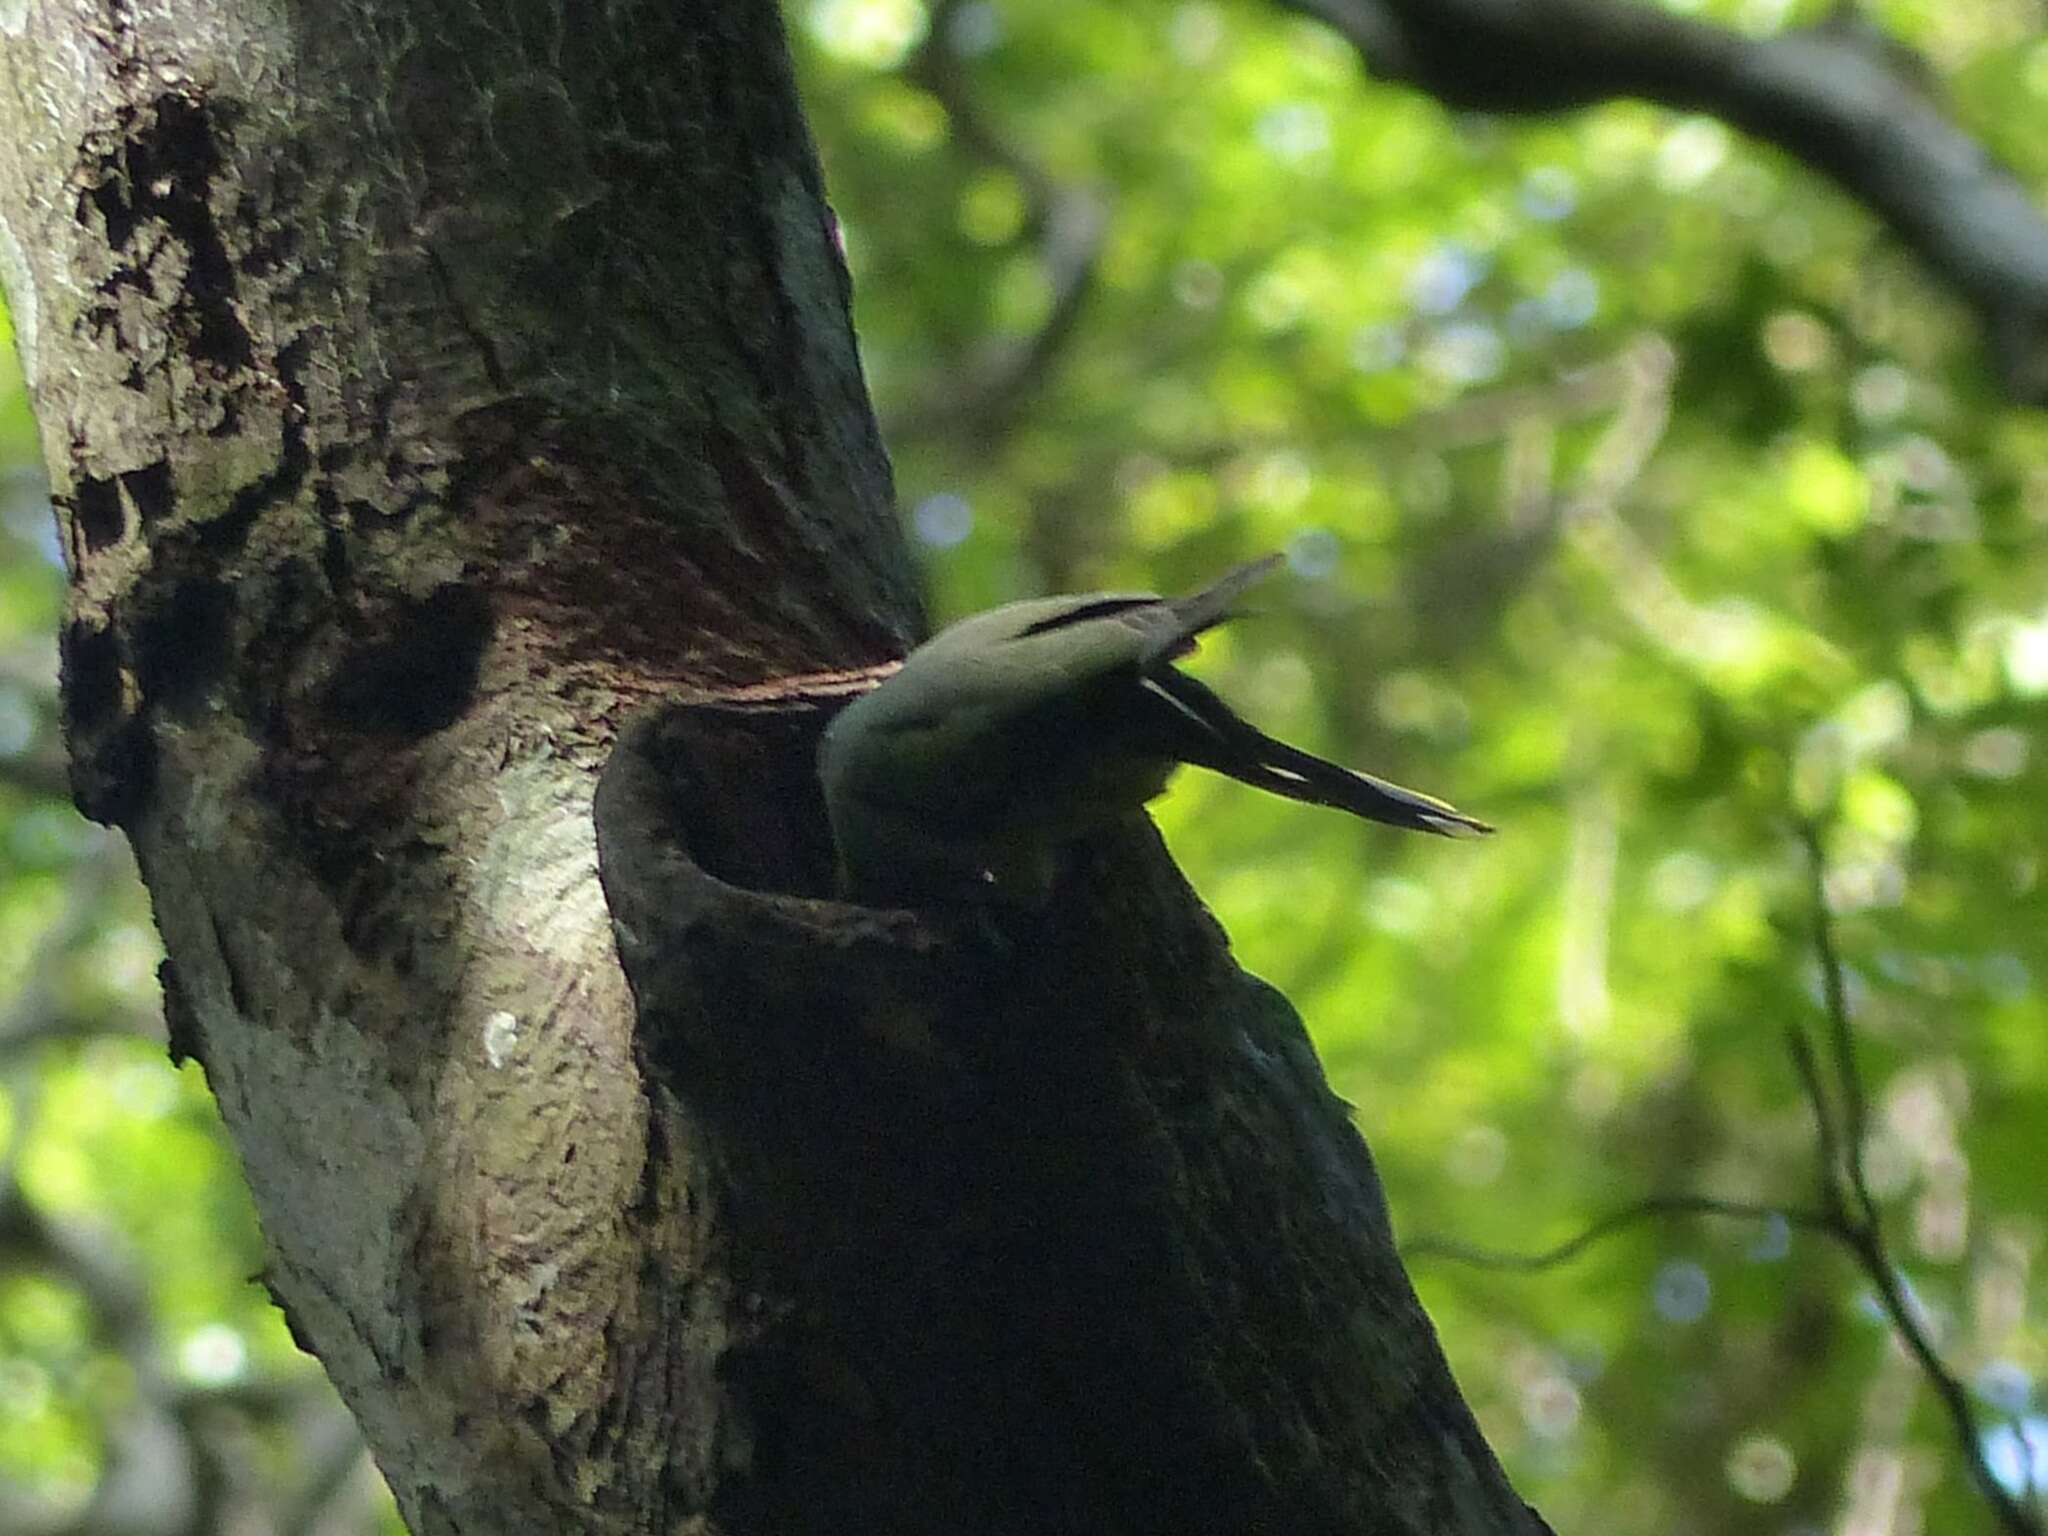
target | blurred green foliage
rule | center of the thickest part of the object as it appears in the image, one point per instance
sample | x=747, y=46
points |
x=1640, y=494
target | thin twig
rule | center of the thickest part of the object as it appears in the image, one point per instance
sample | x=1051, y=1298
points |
x=1848, y=1213
x=1857, y=1223
x=37, y=1012
x=1615, y=1221
x=1069, y=224
x=1841, y=1037
x=334, y=1463
x=1827, y=1144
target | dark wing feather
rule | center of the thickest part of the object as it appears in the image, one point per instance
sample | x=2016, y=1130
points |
x=1100, y=608
x=1204, y=730
x=1168, y=624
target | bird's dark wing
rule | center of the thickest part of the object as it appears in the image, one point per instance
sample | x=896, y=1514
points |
x=1202, y=729
x=1158, y=626
x=1108, y=606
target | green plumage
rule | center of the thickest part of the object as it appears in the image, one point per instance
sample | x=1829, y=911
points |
x=1011, y=734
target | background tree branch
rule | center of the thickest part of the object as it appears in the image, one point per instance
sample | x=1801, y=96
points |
x=1847, y=1215
x=1068, y=223
x=1835, y=96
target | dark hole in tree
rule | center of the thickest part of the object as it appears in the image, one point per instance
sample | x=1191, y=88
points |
x=113, y=762
x=111, y=200
x=171, y=168
x=150, y=489
x=97, y=506
x=91, y=661
x=181, y=649
x=336, y=564
x=748, y=802
x=419, y=677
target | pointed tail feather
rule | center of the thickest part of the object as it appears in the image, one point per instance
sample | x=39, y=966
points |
x=1210, y=606
x=1347, y=789
x=1206, y=731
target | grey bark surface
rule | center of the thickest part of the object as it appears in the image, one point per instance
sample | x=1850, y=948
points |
x=428, y=390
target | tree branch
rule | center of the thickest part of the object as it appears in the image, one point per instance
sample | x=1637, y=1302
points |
x=1855, y=1221
x=1650, y=1209
x=1841, y=1037
x=1069, y=223
x=1848, y=1214
x=1834, y=96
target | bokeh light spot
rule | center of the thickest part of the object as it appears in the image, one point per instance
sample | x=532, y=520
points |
x=877, y=33
x=213, y=1355
x=943, y=520
x=1478, y=1155
x=1681, y=1292
x=1549, y=192
x=2005, y=1385
x=1761, y=1468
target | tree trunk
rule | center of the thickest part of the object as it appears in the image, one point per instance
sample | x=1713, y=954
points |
x=429, y=388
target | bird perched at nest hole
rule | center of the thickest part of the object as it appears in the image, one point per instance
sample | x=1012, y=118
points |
x=1011, y=734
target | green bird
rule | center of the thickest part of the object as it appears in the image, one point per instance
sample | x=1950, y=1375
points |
x=1010, y=735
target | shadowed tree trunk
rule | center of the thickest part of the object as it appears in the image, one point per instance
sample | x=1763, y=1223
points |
x=430, y=390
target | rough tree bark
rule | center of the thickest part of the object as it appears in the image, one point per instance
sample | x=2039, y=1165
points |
x=428, y=388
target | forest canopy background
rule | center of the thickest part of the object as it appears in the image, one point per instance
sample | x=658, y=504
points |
x=1640, y=492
